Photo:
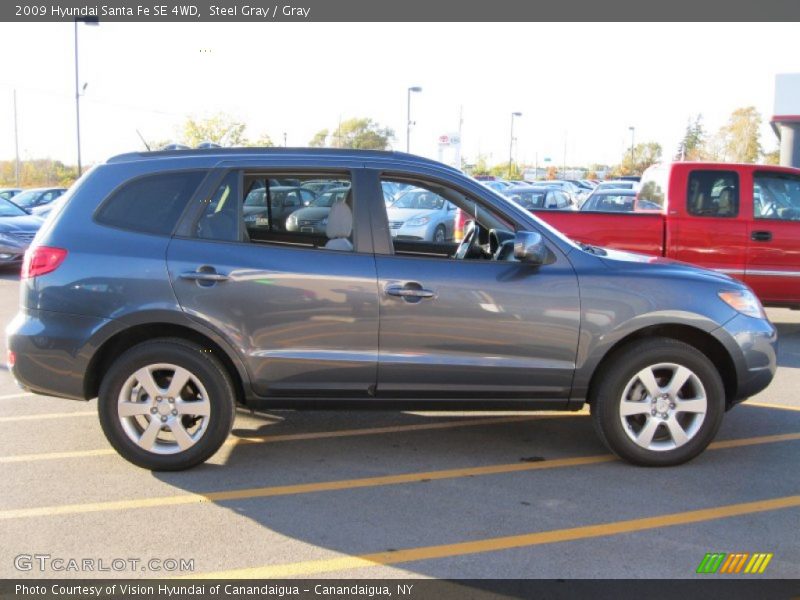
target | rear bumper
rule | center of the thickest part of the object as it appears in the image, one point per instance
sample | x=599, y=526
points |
x=752, y=343
x=52, y=351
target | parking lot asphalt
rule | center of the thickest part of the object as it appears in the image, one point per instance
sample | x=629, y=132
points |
x=401, y=494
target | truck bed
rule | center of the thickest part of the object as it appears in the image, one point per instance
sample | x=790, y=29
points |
x=635, y=232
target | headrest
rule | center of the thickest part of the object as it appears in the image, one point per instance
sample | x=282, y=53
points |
x=340, y=221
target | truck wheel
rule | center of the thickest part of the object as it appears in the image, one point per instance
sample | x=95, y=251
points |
x=166, y=405
x=658, y=403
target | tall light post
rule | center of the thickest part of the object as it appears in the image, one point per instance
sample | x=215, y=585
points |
x=511, y=143
x=409, y=122
x=16, y=143
x=632, y=129
x=87, y=21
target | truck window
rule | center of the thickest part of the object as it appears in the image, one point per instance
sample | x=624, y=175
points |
x=713, y=194
x=776, y=196
x=653, y=187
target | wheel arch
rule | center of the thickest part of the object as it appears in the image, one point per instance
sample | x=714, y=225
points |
x=697, y=338
x=135, y=333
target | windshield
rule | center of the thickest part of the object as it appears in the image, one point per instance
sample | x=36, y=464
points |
x=419, y=199
x=9, y=209
x=26, y=199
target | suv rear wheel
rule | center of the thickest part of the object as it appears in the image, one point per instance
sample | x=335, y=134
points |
x=659, y=403
x=166, y=405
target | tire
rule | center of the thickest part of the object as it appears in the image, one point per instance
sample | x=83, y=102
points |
x=182, y=429
x=439, y=234
x=649, y=431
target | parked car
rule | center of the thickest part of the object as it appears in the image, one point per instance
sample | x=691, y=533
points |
x=540, y=197
x=610, y=200
x=498, y=185
x=127, y=296
x=29, y=199
x=284, y=200
x=17, y=230
x=420, y=214
x=8, y=193
x=318, y=186
x=616, y=184
x=741, y=220
x=314, y=217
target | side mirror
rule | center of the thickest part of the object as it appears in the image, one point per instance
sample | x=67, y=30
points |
x=529, y=247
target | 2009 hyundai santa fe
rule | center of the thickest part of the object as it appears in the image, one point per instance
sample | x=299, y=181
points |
x=150, y=289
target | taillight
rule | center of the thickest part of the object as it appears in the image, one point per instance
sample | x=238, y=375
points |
x=40, y=260
x=11, y=359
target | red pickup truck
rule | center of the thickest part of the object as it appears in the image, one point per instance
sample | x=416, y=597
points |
x=743, y=220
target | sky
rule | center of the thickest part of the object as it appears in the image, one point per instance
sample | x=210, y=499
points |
x=579, y=86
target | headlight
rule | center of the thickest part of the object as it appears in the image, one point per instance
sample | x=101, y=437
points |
x=745, y=302
x=418, y=221
x=292, y=219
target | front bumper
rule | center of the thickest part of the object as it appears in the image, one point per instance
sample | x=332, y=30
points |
x=52, y=351
x=752, y=343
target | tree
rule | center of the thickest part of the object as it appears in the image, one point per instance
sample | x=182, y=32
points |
x=740, y=137
x=693, y=142
x=481, y=167
x=644, y=155
x=501, y=171
x=219, y=129
x=318, y=141
x=37, y=172
x=773, y=158
x=362, y=134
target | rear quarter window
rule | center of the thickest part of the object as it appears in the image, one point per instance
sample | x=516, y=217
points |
x=150, y=204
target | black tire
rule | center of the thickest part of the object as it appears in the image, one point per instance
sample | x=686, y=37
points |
x=202, y=365
x=439, y=234
x=623, y=367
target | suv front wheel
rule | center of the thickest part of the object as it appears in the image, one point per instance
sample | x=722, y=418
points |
x=166, y=405
x=659, y=403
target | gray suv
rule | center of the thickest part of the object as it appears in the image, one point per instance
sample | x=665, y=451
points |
x=149, y=289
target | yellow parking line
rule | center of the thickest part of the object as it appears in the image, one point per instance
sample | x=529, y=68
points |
x=770, y=405
x=267, y=439
x=15, y=418
x=506, y=542
x=20, y=395
x=347, y=484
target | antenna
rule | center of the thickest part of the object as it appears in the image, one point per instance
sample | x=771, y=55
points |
x=141, y=137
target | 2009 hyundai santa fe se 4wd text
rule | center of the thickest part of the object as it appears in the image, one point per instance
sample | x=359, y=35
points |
x=150, y=289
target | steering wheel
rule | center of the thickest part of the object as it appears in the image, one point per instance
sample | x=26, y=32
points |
x=470, y=240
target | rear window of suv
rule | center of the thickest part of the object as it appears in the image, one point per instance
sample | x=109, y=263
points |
x=150, y=204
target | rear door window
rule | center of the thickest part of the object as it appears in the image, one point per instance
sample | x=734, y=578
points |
x=150, y=204
x=776, y=196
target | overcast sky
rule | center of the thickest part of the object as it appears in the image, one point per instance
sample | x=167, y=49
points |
x=583, y=83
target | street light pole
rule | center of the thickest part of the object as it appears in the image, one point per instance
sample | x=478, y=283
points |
x=16, y=143
x=88, y=21
x=415, y=88
x=633, y=159
x=511, y=143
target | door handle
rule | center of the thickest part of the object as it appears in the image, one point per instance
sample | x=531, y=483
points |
x=209, y=276
x=761, y=236
x=411, y=292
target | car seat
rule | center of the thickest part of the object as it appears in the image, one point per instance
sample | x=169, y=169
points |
x=339, y=228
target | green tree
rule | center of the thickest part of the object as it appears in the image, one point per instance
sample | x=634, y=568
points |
x=772, y=158
x=219, y=128
x=740, y=137
x=501, y=171
x=362, y=134
x=693, y=142
x=481, y=167
x=644, y=155
x=318, y=141
x=37, y=172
